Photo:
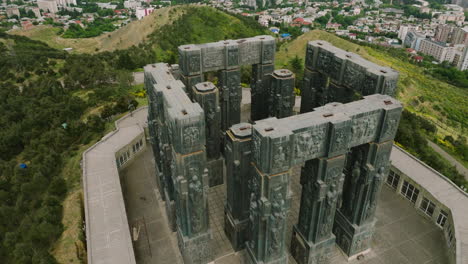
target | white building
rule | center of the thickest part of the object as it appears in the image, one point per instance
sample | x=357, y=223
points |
x=404, y=29
x=107, y=5
x=413, y=40
x=457, y=17
x=439, y=50
x=66, y=2
x=264, y=20
x=12, y=11
x=132, y=4
x=140, y=13
x=463, y=64
x=48, y=5
x=356, y=10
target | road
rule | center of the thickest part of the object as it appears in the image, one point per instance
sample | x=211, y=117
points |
x=460, y=168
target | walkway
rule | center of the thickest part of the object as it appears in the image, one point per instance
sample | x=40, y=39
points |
x=460, y=168
x=153, y=240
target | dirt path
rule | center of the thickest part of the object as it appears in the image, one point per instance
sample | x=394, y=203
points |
x=460, y=168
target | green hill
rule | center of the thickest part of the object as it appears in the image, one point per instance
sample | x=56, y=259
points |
x=200, y=25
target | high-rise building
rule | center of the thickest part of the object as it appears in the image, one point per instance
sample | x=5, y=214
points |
x=459, y=36
x=463, y=63
x=413, y=40
x=439, y=50
x=443, y=33
x=12, y=11
x=404, y=29
x=48, y=6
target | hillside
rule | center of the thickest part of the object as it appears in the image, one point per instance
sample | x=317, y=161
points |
x=163, y=30
x=441, y=103
x=200, y=25
x=57, y=104
x=132, y=34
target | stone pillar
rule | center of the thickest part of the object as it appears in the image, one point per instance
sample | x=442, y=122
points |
x=231, y=97
x=191, y=183
x=238, y=170
x=159, y=138
x=314, y=90
x=365, y=171
x=334, y=75
x=270, y=198
x=207, y=95
x=260, y=84
x=366, y=167
x=153, y=129
x=190, y=66
x=312, y=239
x=190, y=81
x=282, y=98
x=315, y=84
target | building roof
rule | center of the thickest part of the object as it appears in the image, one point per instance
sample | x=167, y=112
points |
x=443, y=190
x=107, y=230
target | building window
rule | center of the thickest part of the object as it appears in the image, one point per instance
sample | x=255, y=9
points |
x=137, y=146
x=123, y=159
x=409, y=191
x=442, y=218
x=450, y=236
x=427, y=206
x=393, y=179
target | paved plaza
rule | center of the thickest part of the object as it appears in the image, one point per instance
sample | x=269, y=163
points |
x=402, y=237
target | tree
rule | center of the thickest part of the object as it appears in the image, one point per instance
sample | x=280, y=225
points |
x=107, y=112
x=296, y=64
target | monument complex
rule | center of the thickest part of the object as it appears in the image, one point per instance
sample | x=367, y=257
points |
x=342, y=138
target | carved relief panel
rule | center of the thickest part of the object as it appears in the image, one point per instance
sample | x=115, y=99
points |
x=277, y=219
x=365, y=128
x=193, y=172
x=213, y=58
x=309, y=144
x=389, y=86
x=281, y=157
x=369, y=84
x=194, y=63
x=232, y=56
x=390, y=126
x=309, y=60
x=249, y=52
x=339, y=140
x=336, y=68
x=268, y=53
x=324, y=61
x=353, y=75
